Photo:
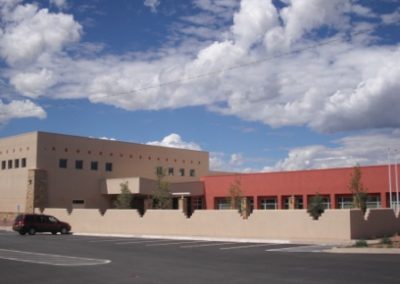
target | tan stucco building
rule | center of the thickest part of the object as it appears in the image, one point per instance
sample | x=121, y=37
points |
x=41, y=169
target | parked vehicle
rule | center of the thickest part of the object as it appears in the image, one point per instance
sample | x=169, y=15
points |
x=32, y=223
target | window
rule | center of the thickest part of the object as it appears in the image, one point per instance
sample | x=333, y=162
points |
x=109, y=167
x=192, y=172
x=94, y=165
x=344, y=201
x=222, y=203
x=79, y=164
x=159, y=171
x=268, y=203
x=3, y=165
x=373, y=201
x=23, y=162
x=198, y=203
x=78, y=203
x=10, y=164
x=298, y=202
x=170, y=171
x=16, y=163
x=182, y=172
x=62, y=163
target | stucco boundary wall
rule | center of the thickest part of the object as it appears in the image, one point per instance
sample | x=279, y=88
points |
x=292, y=225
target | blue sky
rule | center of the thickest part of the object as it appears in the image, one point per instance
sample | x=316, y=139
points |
x=262, y=85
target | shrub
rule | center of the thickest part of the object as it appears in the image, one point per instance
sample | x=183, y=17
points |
x=316, y=207
x=361, y=243
x=386, y=241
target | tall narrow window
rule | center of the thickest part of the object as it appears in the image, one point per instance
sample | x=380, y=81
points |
x=192, y=172
x=109, y=167
x=23, y=162
x=159, y=171
x=3, y=165
x=79, y=164
x=10, y=164
x=63, y=163
x=182, y=172
x=94, y=165
x=16, y=163
x=170, y=171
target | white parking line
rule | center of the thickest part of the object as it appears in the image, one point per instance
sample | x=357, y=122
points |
x=305, y=248
x=140, y=242
x=49, y=259
x=248, y=246
x=80, y=238
x=176, y=243
x=108, y=240
x=207, y=245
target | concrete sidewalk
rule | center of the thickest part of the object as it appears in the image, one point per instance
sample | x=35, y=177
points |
x=364, y=250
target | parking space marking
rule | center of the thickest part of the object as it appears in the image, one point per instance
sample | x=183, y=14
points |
x=82, y=238
x=49, y=259
x=142, y=241
x=207, y=245
x=175, y=243
x=110, y=240
x=303, y=248
x=247, y=246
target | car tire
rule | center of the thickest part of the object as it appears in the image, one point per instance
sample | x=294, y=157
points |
x=54, y=232
x=31, y=231
x=22, y=232
x=64, y=231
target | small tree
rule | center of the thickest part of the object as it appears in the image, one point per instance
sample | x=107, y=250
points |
x=161, y=195
x=316, y=206
x=235, y=194
x=358, y=190
x=124, y=199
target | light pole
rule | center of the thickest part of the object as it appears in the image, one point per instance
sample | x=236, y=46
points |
x=397, y=181
x=390, y=179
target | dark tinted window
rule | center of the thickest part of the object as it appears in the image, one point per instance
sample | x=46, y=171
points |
x=3, y=165
x=79, y=164
x=109, y=167
x=94, y=165
x=62, y=163
x=23, y=162
x=29, y=218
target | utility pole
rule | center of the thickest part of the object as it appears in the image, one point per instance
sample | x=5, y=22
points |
x=390, y=180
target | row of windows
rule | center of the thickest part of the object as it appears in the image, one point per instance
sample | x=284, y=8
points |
x=267, y=203
x=100, y=153
x=79, y=165
x=171, y=171
x=13, y=164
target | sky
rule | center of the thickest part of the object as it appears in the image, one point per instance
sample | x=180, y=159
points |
x=262, y=85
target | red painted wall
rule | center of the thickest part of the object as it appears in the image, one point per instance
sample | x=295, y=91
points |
x=305, y=183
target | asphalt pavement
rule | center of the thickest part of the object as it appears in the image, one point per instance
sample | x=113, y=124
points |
x=46, y=258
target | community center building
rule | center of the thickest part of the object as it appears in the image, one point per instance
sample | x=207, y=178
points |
x=47, y=170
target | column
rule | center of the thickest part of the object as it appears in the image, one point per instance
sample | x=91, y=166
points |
x=384, y=200
x=182, y=204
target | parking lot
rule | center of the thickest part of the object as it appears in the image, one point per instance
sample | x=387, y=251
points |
x=46, y=258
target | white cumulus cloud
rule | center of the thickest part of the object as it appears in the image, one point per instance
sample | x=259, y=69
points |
x=365, y=149
x=20, y=109
x=29, y=33
x=174, y=140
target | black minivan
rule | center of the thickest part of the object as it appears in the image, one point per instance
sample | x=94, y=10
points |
x=32, y=223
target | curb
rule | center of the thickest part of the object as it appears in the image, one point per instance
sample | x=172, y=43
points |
x=364, y=250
